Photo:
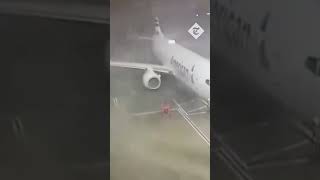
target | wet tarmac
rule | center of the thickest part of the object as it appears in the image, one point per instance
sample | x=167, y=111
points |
x=259, y=135
x=154, y=146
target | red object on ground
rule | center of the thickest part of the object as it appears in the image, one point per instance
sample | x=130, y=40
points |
x=165, y=108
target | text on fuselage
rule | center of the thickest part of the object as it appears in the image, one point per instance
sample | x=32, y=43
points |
x=236, y=29
x=179, y=66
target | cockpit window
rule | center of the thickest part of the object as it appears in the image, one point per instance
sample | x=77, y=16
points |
x=208, y=82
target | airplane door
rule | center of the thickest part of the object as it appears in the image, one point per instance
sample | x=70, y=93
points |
x=193, y=78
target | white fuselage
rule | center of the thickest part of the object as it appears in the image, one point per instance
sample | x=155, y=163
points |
x=276, y=44
x=188, y=67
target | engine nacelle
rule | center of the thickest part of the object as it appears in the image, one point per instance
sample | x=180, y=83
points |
x=151, y=80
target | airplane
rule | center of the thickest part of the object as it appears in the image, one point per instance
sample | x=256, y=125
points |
x=275, y=44
x=185, y=65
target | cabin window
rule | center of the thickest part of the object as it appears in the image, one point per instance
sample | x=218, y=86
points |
x=208, y=82
x=313, y=65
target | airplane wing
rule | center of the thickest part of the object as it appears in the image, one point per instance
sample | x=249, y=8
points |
x=142, y=66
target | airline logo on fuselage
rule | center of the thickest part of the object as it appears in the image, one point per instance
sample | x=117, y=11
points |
x=179, y=66
x=236, y=29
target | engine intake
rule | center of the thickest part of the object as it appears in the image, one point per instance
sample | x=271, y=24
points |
x=151, y=80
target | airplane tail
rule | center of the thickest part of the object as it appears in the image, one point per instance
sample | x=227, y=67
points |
x=157, y=29
x=157, y=32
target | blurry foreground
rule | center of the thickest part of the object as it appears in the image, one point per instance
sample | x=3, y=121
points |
x=156, y=148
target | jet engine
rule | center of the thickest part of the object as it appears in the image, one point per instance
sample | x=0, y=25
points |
x=151, y=80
